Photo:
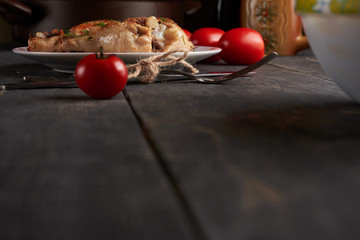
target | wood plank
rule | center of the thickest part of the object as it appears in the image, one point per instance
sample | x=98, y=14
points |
x=76, y=168
x=274, y=156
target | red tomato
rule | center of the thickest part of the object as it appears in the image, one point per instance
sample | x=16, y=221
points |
x=101, y=77
x=241, y=46
x=207, y=37
x=187, y=33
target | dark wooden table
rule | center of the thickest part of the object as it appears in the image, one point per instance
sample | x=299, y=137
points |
x=272, y=156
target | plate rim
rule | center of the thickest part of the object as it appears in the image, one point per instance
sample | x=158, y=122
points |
x=66, y=61
x=23, y=51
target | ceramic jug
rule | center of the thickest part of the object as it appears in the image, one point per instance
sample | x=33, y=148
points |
x=277, y=22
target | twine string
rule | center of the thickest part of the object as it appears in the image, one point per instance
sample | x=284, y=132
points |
x=146, y=70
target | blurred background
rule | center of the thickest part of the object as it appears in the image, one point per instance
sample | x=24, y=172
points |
x=5, y=32
x=19, y=17
x=224, y=14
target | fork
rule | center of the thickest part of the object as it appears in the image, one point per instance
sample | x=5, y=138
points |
x=225, y=78
x=51, y=82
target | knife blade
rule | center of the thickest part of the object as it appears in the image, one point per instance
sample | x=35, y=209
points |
x=34, y=85
x=33, y=82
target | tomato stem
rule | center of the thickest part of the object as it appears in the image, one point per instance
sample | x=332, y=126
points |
x=101, y=54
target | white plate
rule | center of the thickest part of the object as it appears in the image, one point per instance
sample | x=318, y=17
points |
x=66, y=61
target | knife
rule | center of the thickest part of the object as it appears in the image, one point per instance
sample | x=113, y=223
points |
x=26, y=85
x=32, y=82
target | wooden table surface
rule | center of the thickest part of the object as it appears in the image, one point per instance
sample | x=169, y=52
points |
x=272, y=156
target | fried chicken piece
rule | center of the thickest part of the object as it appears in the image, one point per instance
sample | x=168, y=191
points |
x=143, y=34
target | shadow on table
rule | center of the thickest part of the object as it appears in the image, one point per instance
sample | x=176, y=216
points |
x=327, y=121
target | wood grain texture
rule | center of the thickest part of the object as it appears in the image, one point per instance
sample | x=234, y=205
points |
x=76, y=168
x=274, y=156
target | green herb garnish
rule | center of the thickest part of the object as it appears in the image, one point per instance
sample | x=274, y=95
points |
x=85, y=32
x=101, y=24
x=69, y=34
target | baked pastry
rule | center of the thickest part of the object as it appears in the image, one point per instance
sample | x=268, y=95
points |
x=143, y=34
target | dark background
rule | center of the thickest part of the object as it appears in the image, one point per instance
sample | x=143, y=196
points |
x=226, y=17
